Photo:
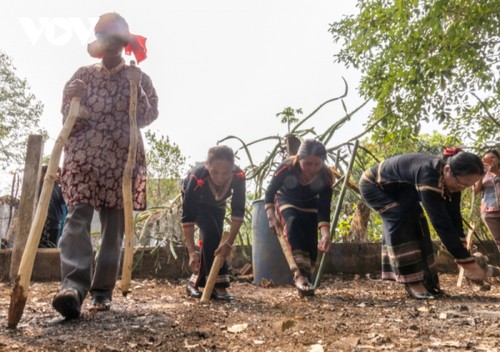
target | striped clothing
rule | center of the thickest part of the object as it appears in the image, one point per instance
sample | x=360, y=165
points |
x=395, y=189
x=302, y=209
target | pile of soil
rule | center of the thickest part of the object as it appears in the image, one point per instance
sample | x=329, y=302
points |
x=347, y=314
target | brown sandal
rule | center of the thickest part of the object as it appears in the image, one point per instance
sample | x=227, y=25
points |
x=100, y=304
x=304, y=289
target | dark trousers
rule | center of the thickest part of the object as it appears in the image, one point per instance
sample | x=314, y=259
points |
x=211, y=224
x=407, y=252
x=77, y=251
x=301, y=231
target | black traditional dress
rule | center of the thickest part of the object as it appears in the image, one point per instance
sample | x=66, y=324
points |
x=394, y=189
x=303, y=208
x=204, y=204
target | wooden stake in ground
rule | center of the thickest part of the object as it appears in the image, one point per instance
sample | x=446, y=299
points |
x=27, y=204
x=469, y=246
x=338, y=208
x=286, y=250
x=214, y=271
x=128, y=207
x=21, y=285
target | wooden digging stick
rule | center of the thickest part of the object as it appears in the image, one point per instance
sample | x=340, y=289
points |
x=214, y=271
x=128, y=253
x=21, y=285
x=338, y=208
x=469, y=246
x=286, y=250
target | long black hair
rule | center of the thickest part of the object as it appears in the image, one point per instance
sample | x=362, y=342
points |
x=311, y=147
x=462, y=163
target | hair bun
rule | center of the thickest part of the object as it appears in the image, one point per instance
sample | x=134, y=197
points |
x=451, y=151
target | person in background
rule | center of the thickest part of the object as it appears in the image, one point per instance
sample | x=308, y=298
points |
x=298, y=201
x=395, y=188
x=55, y=213
x=95, y=157
x=489, y=185
x=205, y=192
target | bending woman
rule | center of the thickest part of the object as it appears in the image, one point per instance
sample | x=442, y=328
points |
x=298, y=200
x=395, y=188
x=205, y=192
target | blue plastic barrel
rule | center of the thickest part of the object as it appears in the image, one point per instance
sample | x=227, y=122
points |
x=268, y=260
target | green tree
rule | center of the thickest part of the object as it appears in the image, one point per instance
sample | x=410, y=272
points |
x=426, y=60
x=20, y=113
x=165, y=169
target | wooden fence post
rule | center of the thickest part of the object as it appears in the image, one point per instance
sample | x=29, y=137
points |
x=29, y=194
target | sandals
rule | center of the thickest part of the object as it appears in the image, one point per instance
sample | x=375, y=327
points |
x=193, y=291
x=419, y=296
x=221, y=296
x=68, y=303
x=304, y=289
x=100, y=304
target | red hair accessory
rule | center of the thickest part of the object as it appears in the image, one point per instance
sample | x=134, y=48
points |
x=137, y=45
x=451, y=151
x=199, y=182
x=241, y=175
x=200, y=243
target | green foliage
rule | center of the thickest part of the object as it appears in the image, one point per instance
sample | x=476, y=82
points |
x=288, y=116
x=160, y=225
x=165, y=169
x=424, y=60
x=343, y=227
x=259, y=174
x=19, y=116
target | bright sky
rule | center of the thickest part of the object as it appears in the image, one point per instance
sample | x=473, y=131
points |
x=222, y=67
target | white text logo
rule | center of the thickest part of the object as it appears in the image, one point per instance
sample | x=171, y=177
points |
x=59, y=30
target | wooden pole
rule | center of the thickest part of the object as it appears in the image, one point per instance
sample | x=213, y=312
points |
x=286, y=250
x=27, y=203
x=128, y=207
x=336, y=216
x=214, y=271
x=350, y=184
x=469, y=246
x=21, y=285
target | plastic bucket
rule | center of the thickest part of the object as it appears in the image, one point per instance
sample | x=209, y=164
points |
x=268, y=260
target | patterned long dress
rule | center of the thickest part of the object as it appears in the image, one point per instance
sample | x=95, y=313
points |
x=97, y=149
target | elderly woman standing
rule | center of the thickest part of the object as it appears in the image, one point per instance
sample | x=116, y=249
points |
x=395, y=188
x=95, y=157
x=298, y=199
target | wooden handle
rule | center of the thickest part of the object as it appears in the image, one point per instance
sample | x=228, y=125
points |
x=21, y=286
x=214, y=271
x=128, y=253
x=469, y=245
x=286, y=250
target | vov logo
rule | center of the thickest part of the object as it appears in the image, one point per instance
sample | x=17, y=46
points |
x=58, y=30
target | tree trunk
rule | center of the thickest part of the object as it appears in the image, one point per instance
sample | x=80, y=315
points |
x=359, y=223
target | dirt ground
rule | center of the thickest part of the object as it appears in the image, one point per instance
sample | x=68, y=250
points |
x=347, y=314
